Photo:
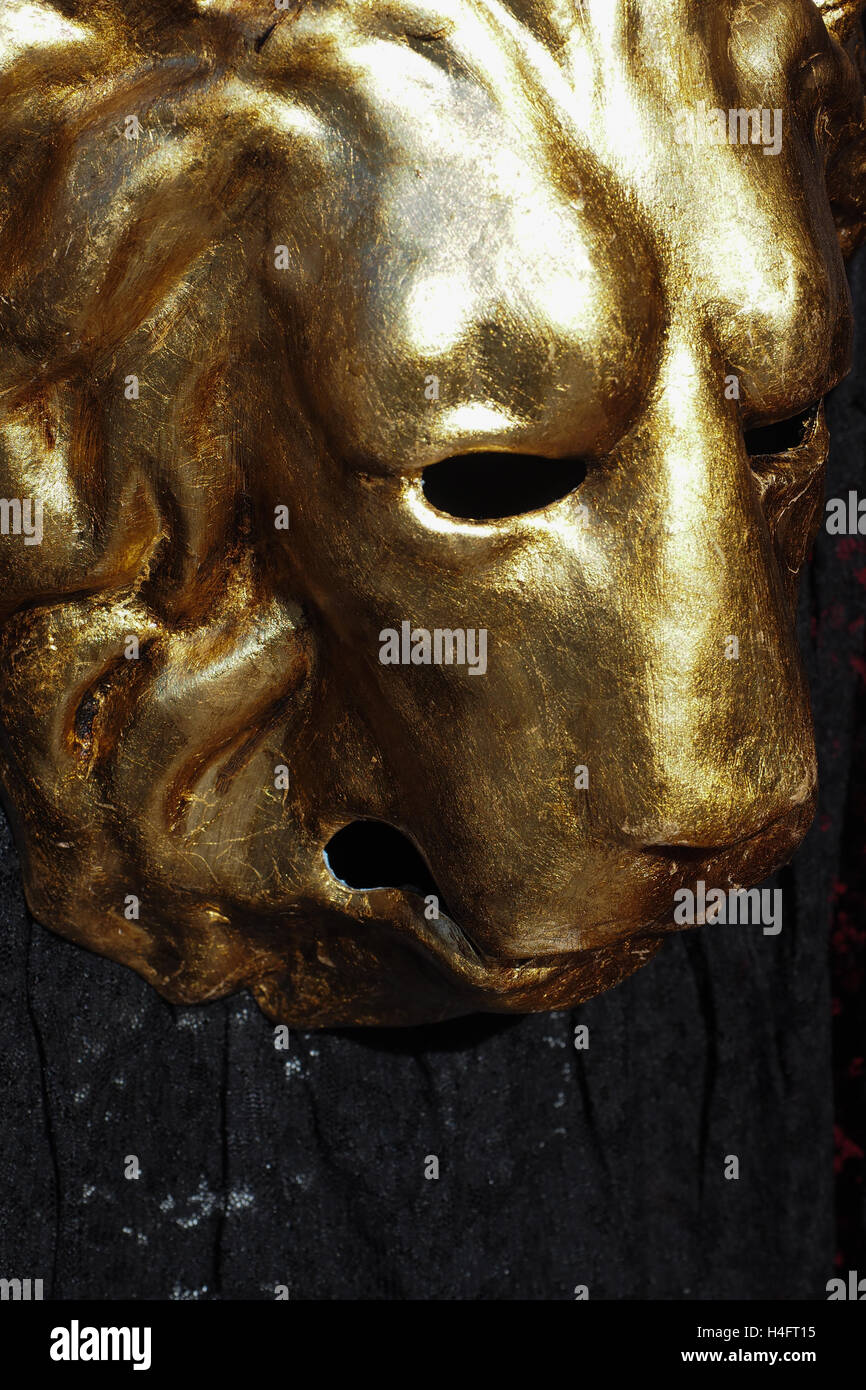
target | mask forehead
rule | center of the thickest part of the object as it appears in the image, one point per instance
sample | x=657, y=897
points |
x=493, y=175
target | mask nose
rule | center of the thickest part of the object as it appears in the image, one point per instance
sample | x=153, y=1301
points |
x=718, y=695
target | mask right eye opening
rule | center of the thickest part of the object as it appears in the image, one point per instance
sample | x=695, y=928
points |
x=783, y=436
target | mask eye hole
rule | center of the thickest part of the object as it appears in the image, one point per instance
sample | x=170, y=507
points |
x=784, y=436
x=489, y=487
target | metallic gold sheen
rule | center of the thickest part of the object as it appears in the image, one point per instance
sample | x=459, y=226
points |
x=494, y=195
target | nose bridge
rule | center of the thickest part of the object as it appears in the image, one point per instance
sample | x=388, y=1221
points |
x=727, y=725
x=706, y=531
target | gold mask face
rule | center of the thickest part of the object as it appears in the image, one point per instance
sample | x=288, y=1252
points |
x=417, y=408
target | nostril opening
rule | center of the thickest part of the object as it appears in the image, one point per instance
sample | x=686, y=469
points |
x=369, y=854
x=491, y=486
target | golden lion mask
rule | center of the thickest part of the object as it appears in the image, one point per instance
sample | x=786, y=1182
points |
x=417, y=406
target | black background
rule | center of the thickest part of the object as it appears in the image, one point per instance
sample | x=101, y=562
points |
x=558, y=1168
